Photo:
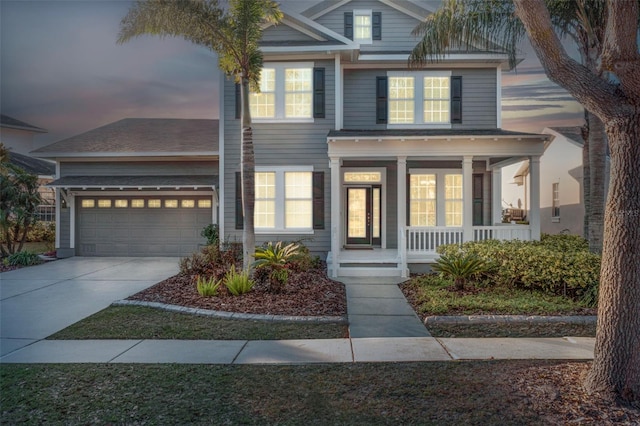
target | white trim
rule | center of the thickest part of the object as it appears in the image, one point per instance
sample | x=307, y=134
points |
x=326, y=10
x=336, y=209
x=302, y=30
x=221, y=160
x=321, y=28
x=338, y=82
x=71, y=204
x=404, y=10
x=498, y=97
x=323, y=48
x=106, y=155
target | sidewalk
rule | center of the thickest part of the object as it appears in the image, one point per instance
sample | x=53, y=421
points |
x=392, y=349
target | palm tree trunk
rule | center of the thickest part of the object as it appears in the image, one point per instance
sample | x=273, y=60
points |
x=248, y=179
x=616, y=366
x=597, y=180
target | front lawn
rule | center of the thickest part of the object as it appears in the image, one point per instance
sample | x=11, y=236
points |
x=133, y=322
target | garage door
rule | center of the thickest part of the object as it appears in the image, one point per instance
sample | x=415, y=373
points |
x=141, y=226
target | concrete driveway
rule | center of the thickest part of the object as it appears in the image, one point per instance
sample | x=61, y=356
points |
x=38, y=301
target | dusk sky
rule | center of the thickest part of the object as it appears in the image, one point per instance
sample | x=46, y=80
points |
x=61, y=69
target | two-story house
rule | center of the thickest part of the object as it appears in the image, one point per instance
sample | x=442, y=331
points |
x=371, y=162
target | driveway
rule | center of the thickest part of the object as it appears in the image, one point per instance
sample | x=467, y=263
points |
x=38, y=301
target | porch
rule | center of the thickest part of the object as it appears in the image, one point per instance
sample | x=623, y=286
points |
x=417, y=245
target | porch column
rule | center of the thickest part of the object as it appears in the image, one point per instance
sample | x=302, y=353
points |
x=467, y=198
x=534, y=197
x=496, y=196
x=71, y=204
x=335, y=215
x=402, y=214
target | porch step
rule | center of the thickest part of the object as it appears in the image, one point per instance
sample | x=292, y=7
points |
x=359, y=271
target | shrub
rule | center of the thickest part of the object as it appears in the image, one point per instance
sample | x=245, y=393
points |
x=274, y=258
x=459, y=267
x=207, y=287
x=238, y=282
x=564, y=242
x=563, y=268
x=212, y=261
x=22, y=258
x=210, y=232
x=304, y=261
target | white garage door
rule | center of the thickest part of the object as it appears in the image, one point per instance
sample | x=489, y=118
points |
x=141, y=226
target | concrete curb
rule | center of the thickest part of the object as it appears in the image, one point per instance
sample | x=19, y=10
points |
x=509, y=319
x=233, y=315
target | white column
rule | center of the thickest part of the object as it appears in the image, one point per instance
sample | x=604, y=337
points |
x=467, y=197
x=336, y=208
x=71, y=204
x=534, y=197
x=496, y=196
x=402, y=213
x=58, y=208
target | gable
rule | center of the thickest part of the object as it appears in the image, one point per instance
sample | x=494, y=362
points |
x=289, y=31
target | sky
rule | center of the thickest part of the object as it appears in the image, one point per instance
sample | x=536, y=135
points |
x=61, y=70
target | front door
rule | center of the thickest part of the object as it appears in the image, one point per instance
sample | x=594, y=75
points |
x=363, y=215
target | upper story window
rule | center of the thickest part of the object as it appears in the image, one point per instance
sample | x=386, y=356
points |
x=286, y=93
x=363, y=26
x=422, y=98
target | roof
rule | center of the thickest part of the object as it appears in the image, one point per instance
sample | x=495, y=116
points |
x=389, y=133
x=12, y=123
x=140, y=137
x=101, y=182
x=34, y=166
x=574, y=133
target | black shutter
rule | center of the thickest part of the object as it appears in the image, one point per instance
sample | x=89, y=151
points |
x=348, y=25
x=376, y=27
x=456, y=99
x=381, y=100
x=239, y=213
x=318, y=93
x=318, y=200
x=238, y=101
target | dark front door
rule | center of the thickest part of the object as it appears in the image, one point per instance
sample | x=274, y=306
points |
x=363, y=215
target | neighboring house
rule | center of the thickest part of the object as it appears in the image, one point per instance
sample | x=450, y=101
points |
x=561, y=183
x=18, y=136
x=371, y=163
x=136, y=187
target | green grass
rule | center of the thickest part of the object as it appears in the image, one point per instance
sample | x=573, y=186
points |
x=438, y=393
x=521, y=329
x=134, y=322
x=431, y=295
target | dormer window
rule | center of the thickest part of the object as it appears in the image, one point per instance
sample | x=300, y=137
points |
x=363, y=26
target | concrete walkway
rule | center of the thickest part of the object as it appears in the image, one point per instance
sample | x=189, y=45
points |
x=38, y=301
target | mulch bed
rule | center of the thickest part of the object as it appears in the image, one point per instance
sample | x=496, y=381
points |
x=308, y=293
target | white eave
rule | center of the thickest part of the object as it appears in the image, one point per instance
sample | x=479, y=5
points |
x=107, y=155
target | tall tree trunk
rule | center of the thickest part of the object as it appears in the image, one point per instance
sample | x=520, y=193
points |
x=586, y=176
x=616, y=366
x=597, y=180
x=248, y=180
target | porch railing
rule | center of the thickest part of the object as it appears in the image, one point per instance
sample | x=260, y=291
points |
x=425, y=240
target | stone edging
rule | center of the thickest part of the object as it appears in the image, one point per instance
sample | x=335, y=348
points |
x=233, y=315
x=492, y=319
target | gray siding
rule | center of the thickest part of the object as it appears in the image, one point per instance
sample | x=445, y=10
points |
x=478, y=98
x=281, y=144
x=396, y=26
x=139, y=168
x=283, y=32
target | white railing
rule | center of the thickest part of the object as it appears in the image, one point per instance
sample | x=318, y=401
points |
x=421, y=240
x=425, y=240
x=502, y=232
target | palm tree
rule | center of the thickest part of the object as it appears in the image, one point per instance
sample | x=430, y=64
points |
x=234, y=34
x=493, y=24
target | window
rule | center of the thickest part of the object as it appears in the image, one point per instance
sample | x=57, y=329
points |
x=362, y=26
x=555, y=203
x=422, y=206
x=153, y=204
x=137, y=204
x=283, y=200
x=171, y=204
x=453, y=199
x=286, y=93
x=188, y=204
x=435, y=198
x=104, y=204
x=420, y=98
x=204, y=204
x=121, y=204
x=88, y=204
